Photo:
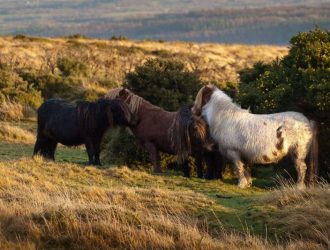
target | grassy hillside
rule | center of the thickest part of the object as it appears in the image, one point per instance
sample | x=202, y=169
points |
x=108, y=61
x=63, y=205
x=69, y=205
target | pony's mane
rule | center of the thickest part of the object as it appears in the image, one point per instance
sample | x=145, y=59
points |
x=87, y=113
x=181, y=135
x=224, y=102
x=135, y=100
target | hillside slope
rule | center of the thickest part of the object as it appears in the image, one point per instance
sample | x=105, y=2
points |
x=110, y=60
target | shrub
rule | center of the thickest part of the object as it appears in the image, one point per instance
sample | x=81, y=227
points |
x=13, y=88
x=11, y=111
x=164, y=82
x=300, y=82
x=70, y=67
x=123, y=149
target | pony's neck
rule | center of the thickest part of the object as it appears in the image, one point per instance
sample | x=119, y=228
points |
x=148, y=105
x=222, y=103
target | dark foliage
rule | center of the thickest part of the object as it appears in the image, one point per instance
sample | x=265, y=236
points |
x=165, y=83
x=14, y=88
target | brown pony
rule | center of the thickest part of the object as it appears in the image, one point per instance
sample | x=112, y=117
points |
x=152, y=130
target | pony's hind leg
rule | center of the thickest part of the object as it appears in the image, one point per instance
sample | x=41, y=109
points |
x=41, y=146
x=153, y=156
x=301, y=170
x=247, y=173
x=299, y=155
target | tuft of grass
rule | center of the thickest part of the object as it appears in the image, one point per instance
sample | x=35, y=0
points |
x=299, y=214
x=11, y=111
x=12, y=133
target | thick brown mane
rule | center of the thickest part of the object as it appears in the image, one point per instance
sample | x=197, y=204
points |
x=186, y=132
x=132, y=100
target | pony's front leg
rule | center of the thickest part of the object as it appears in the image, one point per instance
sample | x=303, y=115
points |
x=97, y=143
x=247, y=173
x=240, y=171
x=239, y=168
x=199, y=166
x=186, y=169
x=153, y=156
x=90, y=151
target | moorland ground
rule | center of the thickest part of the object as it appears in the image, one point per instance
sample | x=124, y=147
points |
x=66, y=204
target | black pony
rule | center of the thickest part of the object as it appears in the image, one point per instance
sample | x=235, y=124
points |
x=190, y=136
x=83, y=123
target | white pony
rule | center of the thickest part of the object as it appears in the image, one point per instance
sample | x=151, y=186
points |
x=246, y=138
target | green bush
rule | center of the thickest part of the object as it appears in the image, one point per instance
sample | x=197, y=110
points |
x=70, y=67
x=165, y=83
x=14, y=88
x=300, y=82
x=120, y=148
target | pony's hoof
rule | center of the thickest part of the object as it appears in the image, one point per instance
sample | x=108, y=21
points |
x=301, y=186
x=243, y=184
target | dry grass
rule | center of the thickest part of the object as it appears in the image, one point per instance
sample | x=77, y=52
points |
x=12, y=133
x=299, y=214
x=11, y=111
x=59, y=206
x=111, y=60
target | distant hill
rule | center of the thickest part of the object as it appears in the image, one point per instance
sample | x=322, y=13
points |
x=240, y=21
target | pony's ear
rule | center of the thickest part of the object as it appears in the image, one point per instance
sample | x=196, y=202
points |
x=123, y=92
x=210, y=86
x=207, y=92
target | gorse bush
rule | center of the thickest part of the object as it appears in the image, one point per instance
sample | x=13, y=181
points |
x=71, y=67
x=165, y=83
x=13, y=88
x=120, y=148
x=300, y=82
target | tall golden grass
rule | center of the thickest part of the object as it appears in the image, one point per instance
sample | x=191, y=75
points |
x=11, y=133
x=112, y=60
x=11, y=111
x=300, y=214
x=64, y=206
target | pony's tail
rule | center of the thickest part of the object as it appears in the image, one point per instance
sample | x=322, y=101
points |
x=180, y=135
x=313, y=159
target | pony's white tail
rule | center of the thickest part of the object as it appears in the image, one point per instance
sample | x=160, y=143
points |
x=313, y=153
